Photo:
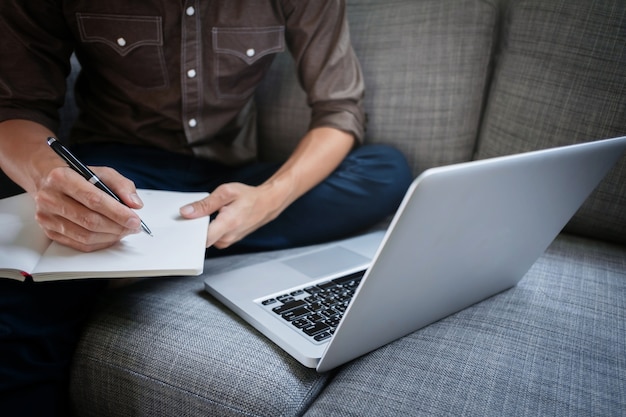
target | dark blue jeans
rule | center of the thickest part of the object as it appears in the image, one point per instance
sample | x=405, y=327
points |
x=40, y=322
x=39, y=326
x=367, y=186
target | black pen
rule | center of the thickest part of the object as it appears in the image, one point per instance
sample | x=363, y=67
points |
x=88, y=174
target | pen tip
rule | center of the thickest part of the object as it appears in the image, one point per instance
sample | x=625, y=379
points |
x=145, y=229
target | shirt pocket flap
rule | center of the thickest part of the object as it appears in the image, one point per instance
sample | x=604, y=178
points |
x=249, y=44
x=122, y=33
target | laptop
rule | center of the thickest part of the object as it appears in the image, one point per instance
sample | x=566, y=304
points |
x=463, y=233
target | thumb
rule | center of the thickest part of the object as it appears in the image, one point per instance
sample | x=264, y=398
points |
x=197, y=209
x=220, y=197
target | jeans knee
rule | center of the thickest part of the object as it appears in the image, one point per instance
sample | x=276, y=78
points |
x=368, y=186
x=384, y=164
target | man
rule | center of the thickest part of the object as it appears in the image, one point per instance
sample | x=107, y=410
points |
x=166, y=102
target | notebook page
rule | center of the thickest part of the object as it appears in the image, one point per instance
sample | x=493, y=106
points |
x=22, y=241
x=177, y=247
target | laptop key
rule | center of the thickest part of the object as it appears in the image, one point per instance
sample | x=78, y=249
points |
x=312, y=290
x=289, y=305
x=341, y=308
x=322, y=336
x=295, y=313
x=316, y=328
x=312, y=299
x=333, y=321
x=284, y=298
x=317, y=306
x=329, y=301
x=316, y=317
x=356, y=277
x=300, y=323
x=326, y=285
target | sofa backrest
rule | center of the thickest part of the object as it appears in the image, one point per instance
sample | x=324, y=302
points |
x=560, y=78
x=426, y=65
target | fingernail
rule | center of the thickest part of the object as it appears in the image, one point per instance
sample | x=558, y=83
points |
x=187, y=210
x=133, y=224
x=135, y=199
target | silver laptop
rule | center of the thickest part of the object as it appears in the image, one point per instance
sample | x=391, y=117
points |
x=463, y=233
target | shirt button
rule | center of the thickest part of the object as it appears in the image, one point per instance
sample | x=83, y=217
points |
x=191, y=73
x=250, y=52
x=192, y=123
x=190, y=11
x=121, y=41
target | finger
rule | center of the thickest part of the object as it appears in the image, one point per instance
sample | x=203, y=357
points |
x=84, y=204
x=106, y=213
x=80, y=246
x=227, y=229
x=223, y=195
x=120, y=185
x=78, y=223
x=74, y=236
x=219, y=234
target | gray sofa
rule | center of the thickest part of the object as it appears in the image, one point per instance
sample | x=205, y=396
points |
x=447, y=81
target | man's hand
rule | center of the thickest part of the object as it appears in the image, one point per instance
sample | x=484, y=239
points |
x=75, y=213
x=70, y=210
x=243, y=209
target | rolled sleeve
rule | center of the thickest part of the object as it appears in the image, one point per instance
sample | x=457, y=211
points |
x=328, y=69
x=35, y=54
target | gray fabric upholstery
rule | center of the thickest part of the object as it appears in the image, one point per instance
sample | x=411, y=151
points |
x=561, y=78
x=426, y=65
x=166, y=348
x=553, y=345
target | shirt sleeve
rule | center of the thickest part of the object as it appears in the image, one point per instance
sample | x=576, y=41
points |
x=328, y=69
x=35, y=46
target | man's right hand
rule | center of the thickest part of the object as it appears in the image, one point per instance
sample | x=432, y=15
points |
x=75, y=213
x=71, y=210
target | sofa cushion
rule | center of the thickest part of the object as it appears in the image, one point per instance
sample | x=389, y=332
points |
x=164, y=347
x=553, y=345
x=425, y=63
x=560, y=79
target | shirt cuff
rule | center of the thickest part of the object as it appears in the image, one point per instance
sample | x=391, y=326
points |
x=344, y=120
x=31, y=115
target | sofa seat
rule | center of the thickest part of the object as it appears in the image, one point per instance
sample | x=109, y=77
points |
x=552, y=345
x=165, y=347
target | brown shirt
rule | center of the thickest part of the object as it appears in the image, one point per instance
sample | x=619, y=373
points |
x=175, y=74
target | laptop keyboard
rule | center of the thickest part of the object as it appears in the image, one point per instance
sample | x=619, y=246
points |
x=315, y=310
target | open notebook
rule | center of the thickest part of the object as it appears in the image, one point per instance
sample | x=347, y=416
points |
x=177, y=247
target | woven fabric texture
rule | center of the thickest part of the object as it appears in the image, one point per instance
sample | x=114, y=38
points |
x=561, y=79
x=426, y=65
x=163, y=347
x=551, y=346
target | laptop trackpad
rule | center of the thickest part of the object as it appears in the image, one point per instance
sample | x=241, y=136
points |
x=327, y=261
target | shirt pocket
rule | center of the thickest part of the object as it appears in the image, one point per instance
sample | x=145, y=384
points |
x=127, y=47
x=242, y=58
